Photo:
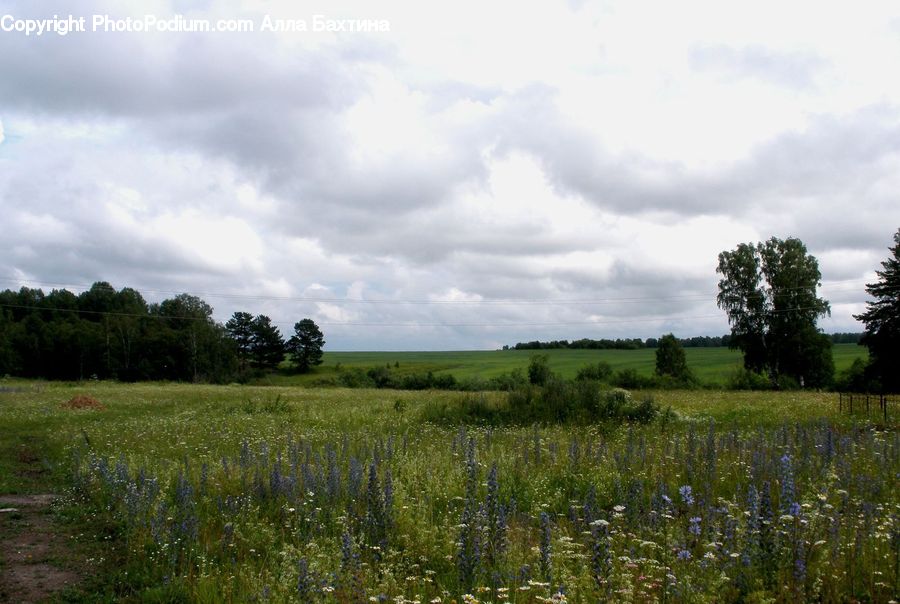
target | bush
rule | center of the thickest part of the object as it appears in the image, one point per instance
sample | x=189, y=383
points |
x=855, y=379
x=508, y=381
x=539, y=369
x=470, y=408
x=599, y=372
x=355, y=378
x=644, y=412
x=426, y=381
x=630, y=379
x=744, y=379
x=380, y=376
x=559, y=401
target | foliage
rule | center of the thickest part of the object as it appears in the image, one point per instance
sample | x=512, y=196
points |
x=559, y=401
x=624, y=344
x=257, y=340
x=854, y=378
x=267, y=346
x=671, y=360
x=305, y=346
x=598, y=372
x=744, y=496
x=745, y=379
x=104, y=333
x=630, y=379
x=539, y=369
x=769, y=293
x=240, y=329
x=882, y=320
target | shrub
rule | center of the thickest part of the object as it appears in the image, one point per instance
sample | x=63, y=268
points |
x=744, y=379
x=854, y=378
x=631, y=380
x=470, y=408
x=380, y=376
x=644, y=412
x=539, y=369
x=599, y=372
x=355, y=378
x=559, y=401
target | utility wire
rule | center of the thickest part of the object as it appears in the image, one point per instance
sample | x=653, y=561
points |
x=378, y=324
x=482, y=302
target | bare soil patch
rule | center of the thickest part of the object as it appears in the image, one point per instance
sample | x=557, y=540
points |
x=35, y=559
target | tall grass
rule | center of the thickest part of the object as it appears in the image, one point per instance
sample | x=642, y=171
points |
x=347, y=496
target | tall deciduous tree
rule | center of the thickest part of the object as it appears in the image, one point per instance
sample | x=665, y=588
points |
x=882, y=319
x=768, y=291
x=306, y=345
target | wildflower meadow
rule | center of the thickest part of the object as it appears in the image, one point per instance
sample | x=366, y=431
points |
x=237, y=494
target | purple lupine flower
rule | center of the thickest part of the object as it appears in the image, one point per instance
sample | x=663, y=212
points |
x=601, y=560
x=495, y=517
x=333, y=483
x=204, y=478
x=376, y=530
x=351, y=580
x=304, y=581
x=787, y=483
x=546, y=567
x=468, y=555
x=354, y=478
x=388, y=499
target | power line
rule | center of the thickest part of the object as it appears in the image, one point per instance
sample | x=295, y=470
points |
x=406, y=325
x=400, y=301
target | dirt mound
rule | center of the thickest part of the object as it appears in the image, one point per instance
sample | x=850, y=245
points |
x=83, y=402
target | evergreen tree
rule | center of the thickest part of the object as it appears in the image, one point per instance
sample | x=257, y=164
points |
x=240, y=329
x=306, y=345
x=882, y=319
x=267, y=346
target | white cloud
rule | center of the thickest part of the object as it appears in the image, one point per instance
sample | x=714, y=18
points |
x=573, y=152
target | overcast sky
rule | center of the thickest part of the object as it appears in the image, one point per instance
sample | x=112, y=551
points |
x=481, y=173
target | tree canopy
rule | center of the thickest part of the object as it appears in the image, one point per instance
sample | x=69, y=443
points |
x=882, y=320
x=768, y=291
x=305, y=346
x=671, y=360
x=108, y=334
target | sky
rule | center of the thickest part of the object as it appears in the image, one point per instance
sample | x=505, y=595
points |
x=467, y=175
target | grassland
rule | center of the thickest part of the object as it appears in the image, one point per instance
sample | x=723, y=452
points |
x=710, y=365
x=238, y=493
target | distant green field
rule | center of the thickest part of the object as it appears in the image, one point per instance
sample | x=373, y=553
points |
x=711, y=365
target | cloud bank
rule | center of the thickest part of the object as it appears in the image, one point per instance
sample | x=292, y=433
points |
x=461, y=181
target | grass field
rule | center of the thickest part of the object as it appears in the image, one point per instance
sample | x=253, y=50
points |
x=236, y=493
x=710, y=365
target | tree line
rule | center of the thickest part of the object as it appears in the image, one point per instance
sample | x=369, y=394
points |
x=638, y=343
x=768, y=290
x=104, y=333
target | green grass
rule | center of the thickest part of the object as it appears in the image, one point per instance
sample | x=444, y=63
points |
x=710, y=365
x=249, y=541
